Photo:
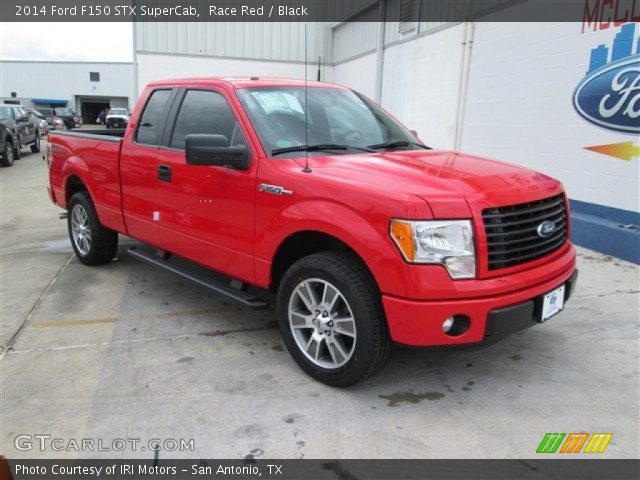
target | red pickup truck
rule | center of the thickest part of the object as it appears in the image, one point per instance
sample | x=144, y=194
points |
x=314, y=192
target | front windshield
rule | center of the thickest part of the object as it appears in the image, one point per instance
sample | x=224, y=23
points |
x=63, y=111
x=117, y=111
x=5, y=113
x=336, y=116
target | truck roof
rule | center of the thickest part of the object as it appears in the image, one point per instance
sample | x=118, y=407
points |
x=244, y=82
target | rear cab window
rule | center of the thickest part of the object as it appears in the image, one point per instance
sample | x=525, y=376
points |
x=153, y=117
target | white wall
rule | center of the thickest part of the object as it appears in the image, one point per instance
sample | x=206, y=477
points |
x=358, y=74
x=519, y=108
x=420, y=84
x=153, y=67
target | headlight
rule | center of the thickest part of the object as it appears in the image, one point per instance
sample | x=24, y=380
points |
x=449, y=243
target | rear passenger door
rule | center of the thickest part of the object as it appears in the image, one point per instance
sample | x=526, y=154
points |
x=139, y=166
x=206, y=211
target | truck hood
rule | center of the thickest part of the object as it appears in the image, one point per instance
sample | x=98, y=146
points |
x=449, y=181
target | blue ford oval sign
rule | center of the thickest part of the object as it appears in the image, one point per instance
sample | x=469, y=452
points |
x=546, y=228
x=610, y=96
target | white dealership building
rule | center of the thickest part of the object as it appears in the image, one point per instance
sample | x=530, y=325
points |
x=85, y=87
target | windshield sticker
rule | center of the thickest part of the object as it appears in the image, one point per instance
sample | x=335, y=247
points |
x=277, y=102
x=283, y=143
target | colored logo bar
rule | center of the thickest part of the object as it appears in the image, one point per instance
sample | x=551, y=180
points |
x=574, y=443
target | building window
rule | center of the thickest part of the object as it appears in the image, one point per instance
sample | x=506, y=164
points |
x=408, y=16
x=94, y=76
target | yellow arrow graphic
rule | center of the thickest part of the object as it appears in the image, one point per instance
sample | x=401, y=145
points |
x=624, y=151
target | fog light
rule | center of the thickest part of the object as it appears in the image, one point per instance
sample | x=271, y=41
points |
x=456, y=325
x=447, y=325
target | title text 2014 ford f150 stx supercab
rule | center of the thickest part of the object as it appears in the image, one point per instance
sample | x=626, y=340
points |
x=315, y=192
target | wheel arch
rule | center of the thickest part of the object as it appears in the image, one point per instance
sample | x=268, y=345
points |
x=303, y=243
x=72, y=185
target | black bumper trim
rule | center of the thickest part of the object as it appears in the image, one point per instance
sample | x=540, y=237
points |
x=505, y=321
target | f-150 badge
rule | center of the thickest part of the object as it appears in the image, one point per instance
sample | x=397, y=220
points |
x=273, y=189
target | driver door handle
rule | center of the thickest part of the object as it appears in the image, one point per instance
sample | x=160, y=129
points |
x=164, y=173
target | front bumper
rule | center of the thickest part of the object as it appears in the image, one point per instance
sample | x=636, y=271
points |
x=419, y=323
x=117, y=123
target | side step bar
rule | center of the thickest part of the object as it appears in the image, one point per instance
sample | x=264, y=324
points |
x=219, y=287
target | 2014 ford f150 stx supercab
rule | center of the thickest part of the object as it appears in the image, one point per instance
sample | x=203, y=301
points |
x=313, y=191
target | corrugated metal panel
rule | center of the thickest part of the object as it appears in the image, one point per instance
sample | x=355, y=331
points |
x=66, y=80
x=355, y=37
x=429, y=9
x=282, y=41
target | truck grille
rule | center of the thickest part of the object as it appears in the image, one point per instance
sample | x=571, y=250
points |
x=512, y=231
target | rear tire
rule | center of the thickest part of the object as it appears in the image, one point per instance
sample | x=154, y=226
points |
x=93, y=243
x=311, y=329
x=7, y=155
x=35, y=148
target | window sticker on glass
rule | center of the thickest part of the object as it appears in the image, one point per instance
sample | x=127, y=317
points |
x=284, y=143
x=274, y=101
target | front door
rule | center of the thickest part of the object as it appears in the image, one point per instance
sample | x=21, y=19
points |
x=139, y=166
x=24, y=126
x=206, y=212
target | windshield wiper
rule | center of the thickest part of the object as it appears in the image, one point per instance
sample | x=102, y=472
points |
x=316, y=148
x=399, y=143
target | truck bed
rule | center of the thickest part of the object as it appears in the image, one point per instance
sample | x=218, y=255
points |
x=97, y=153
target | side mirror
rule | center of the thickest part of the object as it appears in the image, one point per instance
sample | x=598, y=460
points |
x=205, y=149
x=414, y=133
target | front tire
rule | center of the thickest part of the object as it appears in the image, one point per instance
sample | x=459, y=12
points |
x=7, y=155
x=331, y=318
x=93, y=243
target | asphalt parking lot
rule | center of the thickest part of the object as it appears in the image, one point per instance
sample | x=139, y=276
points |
x=127, y=351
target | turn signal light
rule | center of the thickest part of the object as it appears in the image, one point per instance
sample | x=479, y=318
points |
x=402, y=234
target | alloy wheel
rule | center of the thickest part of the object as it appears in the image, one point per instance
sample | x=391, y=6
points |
x=322, y=323
x=81, y=229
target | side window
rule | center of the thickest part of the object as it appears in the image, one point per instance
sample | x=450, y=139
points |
x=152, y=118
x=205, y=112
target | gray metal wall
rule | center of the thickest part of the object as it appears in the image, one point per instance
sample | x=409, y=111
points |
x=360, y=35
x=244, y=40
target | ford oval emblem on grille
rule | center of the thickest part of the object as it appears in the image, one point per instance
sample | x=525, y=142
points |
x=546, y=228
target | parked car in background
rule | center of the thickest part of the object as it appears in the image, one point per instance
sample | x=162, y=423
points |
x=25, y=128
x=54, y=122
x=117, y=118
x=41, y=121
x=69, y=117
